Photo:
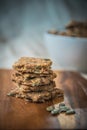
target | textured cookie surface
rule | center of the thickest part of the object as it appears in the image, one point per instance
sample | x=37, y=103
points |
x=28, y=75
x=33, y=79
x=32, y=82
x=36, y=65
x=27, y=88
x=39, y=97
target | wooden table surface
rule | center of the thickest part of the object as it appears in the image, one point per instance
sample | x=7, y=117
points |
x=16, y=114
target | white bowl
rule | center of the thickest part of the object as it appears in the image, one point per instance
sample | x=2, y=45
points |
x=69, y=53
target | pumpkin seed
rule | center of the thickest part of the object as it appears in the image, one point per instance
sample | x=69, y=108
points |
x=11, y=94
x=50, y=108
x=61, y=104
x=38, y=67
x=64, y=107
x=37, y=71
x=70, y=112
x=55, y=111
x=47, y=59
x=61, y=108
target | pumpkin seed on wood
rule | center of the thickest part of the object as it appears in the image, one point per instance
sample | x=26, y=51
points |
x=50, y=108
x=64, y=107
x=63, y=110
x=69, y=112
x=55, y=111
x=59, y=109
x=11, y=94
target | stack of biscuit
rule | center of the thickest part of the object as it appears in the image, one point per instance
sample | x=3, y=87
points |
x=33, y=79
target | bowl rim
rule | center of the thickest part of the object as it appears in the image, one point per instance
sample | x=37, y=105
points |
x=67, y=37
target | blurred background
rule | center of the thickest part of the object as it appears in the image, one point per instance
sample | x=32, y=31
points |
x=23, y=24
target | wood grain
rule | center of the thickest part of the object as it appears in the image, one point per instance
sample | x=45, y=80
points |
x=75, y=91
x=17, y=114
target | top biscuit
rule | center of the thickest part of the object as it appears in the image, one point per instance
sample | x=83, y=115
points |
x=32, y=64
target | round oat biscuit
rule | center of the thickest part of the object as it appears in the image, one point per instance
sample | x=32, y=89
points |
x=30, y=64
x=32, y=82
x=26, y=89
x=28, y=75
x=40, y=97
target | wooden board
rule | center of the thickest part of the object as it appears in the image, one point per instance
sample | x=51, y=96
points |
x=17, y=114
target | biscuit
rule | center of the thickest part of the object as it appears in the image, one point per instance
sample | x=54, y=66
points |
x=27, y=75
x=27, y=88
x=33, y=65
x=77, y=28
x=39, y=96
x=73, y=24
x=32, y=82
x=33, y=79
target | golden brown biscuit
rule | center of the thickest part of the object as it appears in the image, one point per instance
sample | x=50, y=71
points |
x=28, y=75
x=32, y=82
x=27, y=88
x=39, y=97
x=33, y=65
